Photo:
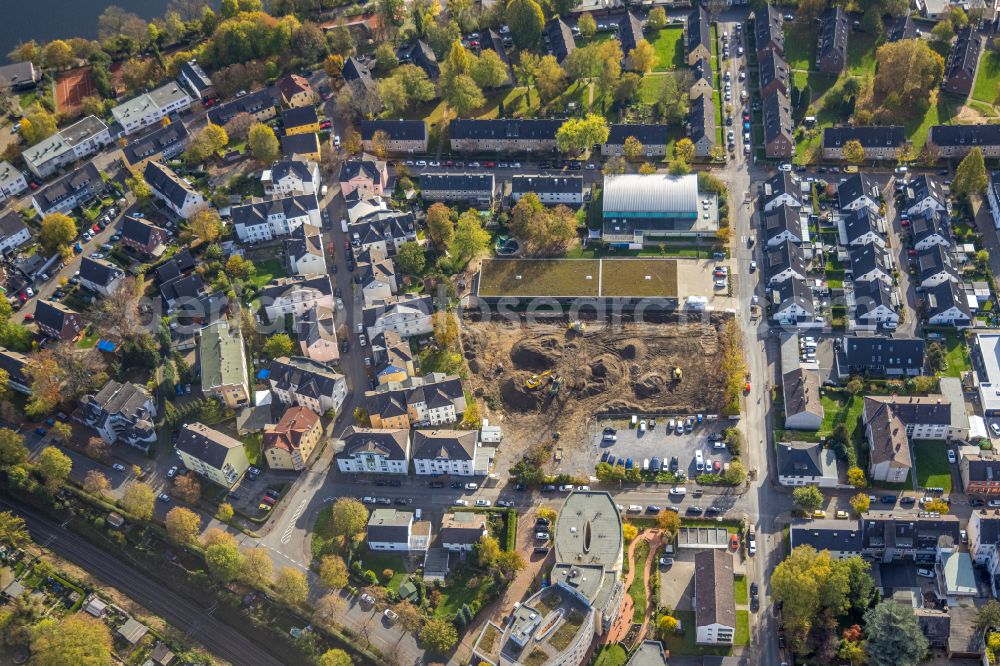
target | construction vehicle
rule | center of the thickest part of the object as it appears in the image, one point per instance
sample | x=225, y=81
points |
x=554, y=387
x=577, y=326
x=678, y=374
x=534, y=381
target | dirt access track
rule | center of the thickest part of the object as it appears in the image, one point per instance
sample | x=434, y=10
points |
x=621, y=369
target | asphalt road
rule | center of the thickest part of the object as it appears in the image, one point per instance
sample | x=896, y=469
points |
x=236, y=645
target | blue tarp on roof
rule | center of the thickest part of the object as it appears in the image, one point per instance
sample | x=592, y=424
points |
x=264, y=374
x=106, y=345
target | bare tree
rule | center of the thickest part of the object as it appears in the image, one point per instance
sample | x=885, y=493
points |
x=82, y=369
x=119, y=311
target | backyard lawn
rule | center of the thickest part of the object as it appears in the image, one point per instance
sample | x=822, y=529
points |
x=742, y=636
x=267, y=271
x=460, y=592
x=940, y=113
x=669, y=47
x=931, y=461
x=861, y=53
x=612, y=655
x=637, y=590
x=988, y=78
x=800, y=38
x=957, y=356
x=379, y=562
x=683, y=644
x=740, y=590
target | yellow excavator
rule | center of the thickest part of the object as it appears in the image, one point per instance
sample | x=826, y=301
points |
x=534, y=381
x=678, y=374
x=577, y=326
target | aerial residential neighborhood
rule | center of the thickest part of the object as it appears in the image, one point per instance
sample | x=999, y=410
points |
x=534, y=333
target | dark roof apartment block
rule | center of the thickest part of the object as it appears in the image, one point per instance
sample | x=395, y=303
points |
x=831, y=44
x=768, y=27
x=396, y=130
x=559, y=38
x=960, y=68
x=779, y=141
x=697, y=36
x=713, y=589
x=870, y=137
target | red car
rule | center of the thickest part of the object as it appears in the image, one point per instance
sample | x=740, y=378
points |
x=325, y=124
x=489, y=165
x=267, y=500
x=912, y=252
x=905, y=223
x=716, y=465
x=33, y=185
x=29, y=317
x=23, y=297
x=96, y=228
x=449, y=163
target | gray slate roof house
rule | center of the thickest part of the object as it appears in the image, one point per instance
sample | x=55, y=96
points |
x=831, y=46
x=713, y=589
x=421, y=55
x=444, y=444
x=768, y=28
x=559, y=38
x=164, y=142
x=19, y=76
x=960, y=68
x=879, y=356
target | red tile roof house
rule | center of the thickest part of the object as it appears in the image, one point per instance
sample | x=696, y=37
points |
x=143, y=237
x=58, y=321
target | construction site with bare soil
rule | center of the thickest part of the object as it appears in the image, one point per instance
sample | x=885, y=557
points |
x=540, y=379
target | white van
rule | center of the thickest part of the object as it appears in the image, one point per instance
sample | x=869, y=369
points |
x=699, y=461
x=678, y=490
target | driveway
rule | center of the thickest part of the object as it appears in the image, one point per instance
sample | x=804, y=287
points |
x=677, y=585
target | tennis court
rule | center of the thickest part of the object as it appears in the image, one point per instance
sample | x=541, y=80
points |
x=71, y=88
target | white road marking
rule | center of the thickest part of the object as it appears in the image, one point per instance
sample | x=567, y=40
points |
x=287, y=535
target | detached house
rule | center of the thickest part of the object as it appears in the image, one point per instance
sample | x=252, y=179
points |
x=301, y=147
x=304, y=251
x=891, y=421
x=289, y=443
x=420, y=54
x=306, y=383
x=13, y=231
x=264, y=220
x=390, y=529
x=143, y=237
x=793, y=304
x=783, y=223
x=879, y=357
x=769, y=30
x=870, y=262
x=286, y=177
x=121, y=413
x=296, y=294
x=782, y=189
x=378, y=277
x=295, y=91
x=831, y=45
x=81, y=139
x=100, y=276
x=806, y=464
x=477, y=188
x=173, y=190
x=450, y=452
x=934, y=266
x=393, y=358
x=960, y=68
x=873, y=305
x=803, y=408
x=924, y=195
x=16, y=365
x=300, y=120
x=365, y=172
x=929, y=229
x=713, y=600
x=223, y=362
x=212, y=454
x=697, y=37
x=842, y=539
x=373, y=226
x=784, y=261
x=462, y=530
x=859, y=191
x=316, y=330
x=947, y=305
x=198, y=82
x=879, y=142
x=401, y=137
x=58, y=321
x=374, y=451
x=75, y=188
x=407, y=314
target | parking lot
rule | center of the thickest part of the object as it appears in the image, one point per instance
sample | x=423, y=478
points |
x=660, y=442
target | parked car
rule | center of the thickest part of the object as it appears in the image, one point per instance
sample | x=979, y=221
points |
x=118, y=467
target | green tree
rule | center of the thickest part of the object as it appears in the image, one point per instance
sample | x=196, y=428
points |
x=54, y=466
x=257, y=567
x=410, y=258
x=672, y=100
x=970, y=177
x=606, y=473
x=856, y=477
x=471, y=239
x=224, y=561
x=278, y=345
x=684, y=149
x=57, y=232
x=206, y=225
x=669, y=521
x=576, y=135
x=587, y=26
x=860, y=503
x=632, y=148
x=138, y=500
x=309, y=43
x=657, y=19
x=613, y=166
x=334, y=658
x=12, y=448
x=894, y=635
x=678, y=167
x=95, y=483
x=487, y=552
x=489, y=71
x=807, y=498
x=643, y=57
x=906, y=73
x=225, y=512
x=527, y=70
x=13, y=531
x=263, y=144
x=462, y=94
x=37, y=124
x=75, y=640
x=292, y=586
x=526, y=20
x=439, y=635
x=139, y=187
x=988, y=615
x=439, y=226
x=333, y=571
x=348, y=519
x=854, y=152
x=57, y=54
x=183, y=524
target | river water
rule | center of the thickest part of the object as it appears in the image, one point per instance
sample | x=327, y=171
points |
x=44, y=20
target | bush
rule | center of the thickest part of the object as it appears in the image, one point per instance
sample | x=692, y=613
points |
x=370, y=577
x=387, y=574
